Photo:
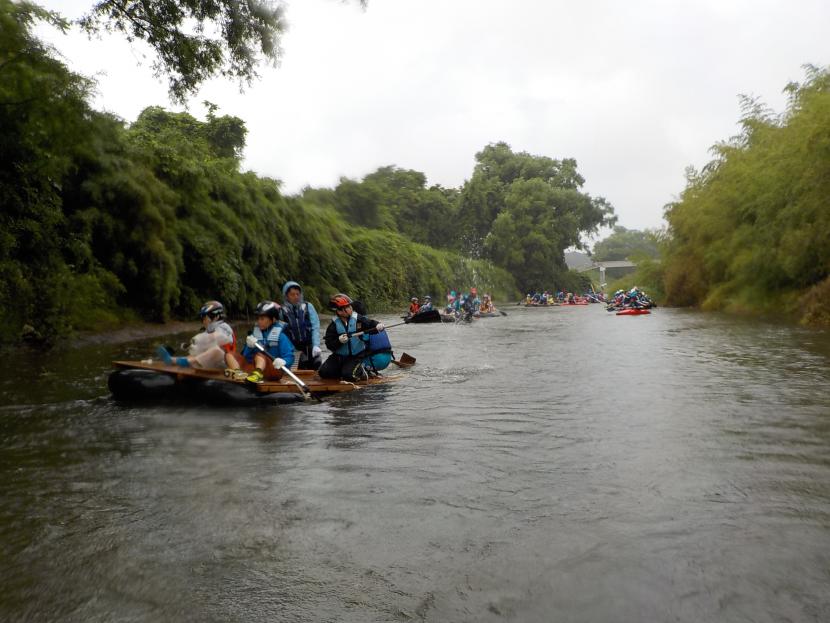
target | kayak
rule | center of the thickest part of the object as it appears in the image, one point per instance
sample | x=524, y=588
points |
x=139, y=380
x=433, y=315
x=633, y=312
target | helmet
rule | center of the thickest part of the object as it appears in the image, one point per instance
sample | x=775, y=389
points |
x=414, y=299
x=339, y=301
x=267, y=308
x=213, y=310
x=427, y=298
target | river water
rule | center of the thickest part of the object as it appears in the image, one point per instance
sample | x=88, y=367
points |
x=553, y=465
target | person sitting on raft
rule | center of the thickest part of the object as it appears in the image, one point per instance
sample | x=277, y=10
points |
x=414, y=307
x=213, y=347
x=268, y=332
x=487, y=306
x=427, y=305
x=347, y=350
x=302, y=326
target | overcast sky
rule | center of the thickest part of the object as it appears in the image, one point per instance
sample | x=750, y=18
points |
x=636, y=91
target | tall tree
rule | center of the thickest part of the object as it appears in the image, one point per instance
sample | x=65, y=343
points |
x=624, y=244
x=196, y=39
x=522, y=211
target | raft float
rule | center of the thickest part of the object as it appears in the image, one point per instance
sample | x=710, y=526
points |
x=143, y=380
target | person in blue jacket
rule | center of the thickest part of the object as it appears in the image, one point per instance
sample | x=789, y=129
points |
x=268, y=333
x=302, y=325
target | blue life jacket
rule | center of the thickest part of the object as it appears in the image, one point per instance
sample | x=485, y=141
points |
x=355, y=345
x=270, y=339
x=298, y=323
x=379, y=352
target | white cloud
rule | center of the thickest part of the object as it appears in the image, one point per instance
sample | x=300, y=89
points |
x=635, y=91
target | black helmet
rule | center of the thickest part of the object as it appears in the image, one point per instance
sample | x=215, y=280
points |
x=213, y=310
x=339, y=301
x=267, y=308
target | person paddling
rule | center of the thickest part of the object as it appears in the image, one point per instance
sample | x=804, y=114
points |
x=347, y=350
x=213, y=347
x=302, y=326
x=414, y=307
x=269, y=333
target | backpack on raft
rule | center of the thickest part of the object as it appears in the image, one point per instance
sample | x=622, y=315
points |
x=378, y=352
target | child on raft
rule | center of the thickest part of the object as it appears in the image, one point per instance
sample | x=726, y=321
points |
x=213, y=347
x=268, y=333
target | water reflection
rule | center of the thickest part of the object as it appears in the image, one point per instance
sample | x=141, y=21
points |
x=669, y=467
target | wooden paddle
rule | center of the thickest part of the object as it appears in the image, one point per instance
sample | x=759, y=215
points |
x=357, y=333
x=406, y=361
x=297, y=381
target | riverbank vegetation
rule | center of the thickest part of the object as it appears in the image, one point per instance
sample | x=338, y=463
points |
x=751, y=231
x=103, y=221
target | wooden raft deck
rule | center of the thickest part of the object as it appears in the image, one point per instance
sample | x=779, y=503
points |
x=284, y=385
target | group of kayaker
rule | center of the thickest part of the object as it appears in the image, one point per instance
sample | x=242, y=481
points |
x=469, y=305
x=287, y=333
x=460, y=306
x=561, y=297
x=632, y=299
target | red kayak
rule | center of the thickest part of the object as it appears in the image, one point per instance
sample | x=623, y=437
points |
x=632, y=312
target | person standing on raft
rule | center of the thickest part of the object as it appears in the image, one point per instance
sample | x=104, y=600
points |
x=213, y=347
x=347, y=350
x=301, y=325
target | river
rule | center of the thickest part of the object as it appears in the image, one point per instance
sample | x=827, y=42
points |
x=553, y=465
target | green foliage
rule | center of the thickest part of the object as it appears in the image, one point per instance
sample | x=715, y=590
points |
x=626, y=244
x=523, y=211
x=753, y=225
x=101, y=222
x=180, y=34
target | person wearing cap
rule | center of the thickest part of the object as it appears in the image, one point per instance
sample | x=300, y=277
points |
x=213, y=347
x=347, y=349
x=267, y=333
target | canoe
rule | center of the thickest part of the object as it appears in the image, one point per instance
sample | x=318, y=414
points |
x=138, y=380
x=632, y=312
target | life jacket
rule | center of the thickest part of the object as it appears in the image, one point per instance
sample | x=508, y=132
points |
x=297, y=324
x=413, y=308
x=270, y=338
x=355, y=345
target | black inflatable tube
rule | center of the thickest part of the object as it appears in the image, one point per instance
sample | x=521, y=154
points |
x=147, y=385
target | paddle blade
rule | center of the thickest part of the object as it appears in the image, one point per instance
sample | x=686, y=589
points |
x=405, y=361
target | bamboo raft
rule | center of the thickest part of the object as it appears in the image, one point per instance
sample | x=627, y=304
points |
x=142, y=379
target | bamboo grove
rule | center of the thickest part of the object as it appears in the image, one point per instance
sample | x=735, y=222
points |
x=102, y=221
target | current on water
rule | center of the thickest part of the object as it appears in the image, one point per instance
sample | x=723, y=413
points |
x=556, y=464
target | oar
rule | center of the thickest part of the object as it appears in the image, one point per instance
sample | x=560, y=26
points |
x=397, y=324
x=297, y=381
x=405, y=361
